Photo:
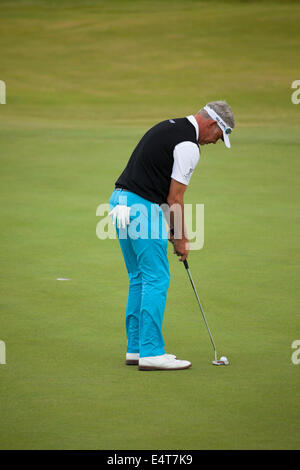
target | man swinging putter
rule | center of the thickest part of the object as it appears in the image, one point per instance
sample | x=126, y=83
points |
x=157, y=173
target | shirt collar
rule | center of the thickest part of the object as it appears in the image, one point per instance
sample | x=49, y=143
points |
x=193, y=121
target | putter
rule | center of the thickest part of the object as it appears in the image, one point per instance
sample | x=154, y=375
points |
x=216, y=362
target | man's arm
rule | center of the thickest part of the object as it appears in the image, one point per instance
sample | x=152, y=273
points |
x=177, y=224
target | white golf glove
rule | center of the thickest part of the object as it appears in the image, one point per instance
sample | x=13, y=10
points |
x=121, y=215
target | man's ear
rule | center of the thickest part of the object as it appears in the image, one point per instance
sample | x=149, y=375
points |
x=212, y=122
x=213, y=126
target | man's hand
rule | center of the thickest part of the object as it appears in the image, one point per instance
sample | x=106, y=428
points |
x=181, y=248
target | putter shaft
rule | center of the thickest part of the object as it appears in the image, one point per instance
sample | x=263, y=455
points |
x=186, y=265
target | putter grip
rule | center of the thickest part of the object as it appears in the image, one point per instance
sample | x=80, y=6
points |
x=186, y=264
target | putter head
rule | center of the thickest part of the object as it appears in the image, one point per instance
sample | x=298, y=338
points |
x=220, y=363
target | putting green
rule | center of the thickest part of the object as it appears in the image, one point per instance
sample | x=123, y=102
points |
x=84, y=81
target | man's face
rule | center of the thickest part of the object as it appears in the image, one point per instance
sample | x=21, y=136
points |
x=210, y=133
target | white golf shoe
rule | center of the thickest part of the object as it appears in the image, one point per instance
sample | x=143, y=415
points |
x=132, y=359
x=164, y=362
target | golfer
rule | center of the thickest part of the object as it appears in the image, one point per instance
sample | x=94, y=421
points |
x=156, y=176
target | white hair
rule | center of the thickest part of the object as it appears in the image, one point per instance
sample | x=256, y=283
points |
x=222, y=109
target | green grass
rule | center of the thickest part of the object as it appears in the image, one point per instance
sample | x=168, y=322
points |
x=84, y=81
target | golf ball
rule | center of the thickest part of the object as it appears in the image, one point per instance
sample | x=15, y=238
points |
x=224, y=359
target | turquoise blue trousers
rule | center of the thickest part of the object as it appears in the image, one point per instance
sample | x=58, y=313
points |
x=144, y=247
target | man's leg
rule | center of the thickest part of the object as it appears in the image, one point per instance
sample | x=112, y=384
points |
x=148, y=257
x=135, y=284
x=156, y=278
x=151, y=254
x=134, y=297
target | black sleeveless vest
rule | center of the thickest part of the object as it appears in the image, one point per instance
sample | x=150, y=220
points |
x=148, y=171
